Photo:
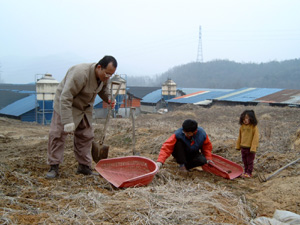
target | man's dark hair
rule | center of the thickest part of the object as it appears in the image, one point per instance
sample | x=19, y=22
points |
x=106, y=60
x=189, y=125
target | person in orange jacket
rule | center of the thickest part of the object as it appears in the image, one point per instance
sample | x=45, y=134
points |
x=189, y=145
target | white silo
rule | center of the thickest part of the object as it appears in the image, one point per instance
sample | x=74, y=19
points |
x=119, y=83
x=45, y=93
x=168, y=89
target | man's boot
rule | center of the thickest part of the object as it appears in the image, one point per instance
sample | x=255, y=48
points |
x=53, y=172
x=85, y=170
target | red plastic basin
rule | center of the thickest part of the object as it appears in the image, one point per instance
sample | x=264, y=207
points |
x=130, y=171
x=223, y=167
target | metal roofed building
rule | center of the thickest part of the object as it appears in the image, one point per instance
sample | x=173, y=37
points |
x=13, y=92
x=133, y=98
x=10, y=96
x=23, y=109
x=141, y=92
x=152, y=102
x=124, y=105
x=245, y=96
x=186, y=91
x=282, y=98
x=196, y=96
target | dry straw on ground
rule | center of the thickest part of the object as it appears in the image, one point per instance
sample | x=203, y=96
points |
x=172, y=198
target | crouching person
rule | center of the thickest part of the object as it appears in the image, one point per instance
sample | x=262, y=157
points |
x=189, y=145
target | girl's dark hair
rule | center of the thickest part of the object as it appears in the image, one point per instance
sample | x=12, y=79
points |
x=106, y=60
x=189, y=125
x=251, y=115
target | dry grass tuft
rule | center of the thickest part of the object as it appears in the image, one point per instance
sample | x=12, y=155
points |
x=171, y=198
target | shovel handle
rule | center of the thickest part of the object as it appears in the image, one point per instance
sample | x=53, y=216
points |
x=282, y=168
x=112, y=97
x=132, y=114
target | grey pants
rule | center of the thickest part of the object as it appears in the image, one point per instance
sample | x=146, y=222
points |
x=83, y=137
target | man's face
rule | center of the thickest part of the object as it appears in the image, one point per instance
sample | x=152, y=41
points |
x=105, y=74
x=189, y=134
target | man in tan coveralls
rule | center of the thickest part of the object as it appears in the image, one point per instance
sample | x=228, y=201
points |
x=73, y=108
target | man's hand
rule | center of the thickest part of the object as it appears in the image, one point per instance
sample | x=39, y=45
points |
x=159, y=164
x=112, y=104
x=69, y=127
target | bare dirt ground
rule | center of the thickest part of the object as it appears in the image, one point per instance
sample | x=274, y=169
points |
x=171, y=198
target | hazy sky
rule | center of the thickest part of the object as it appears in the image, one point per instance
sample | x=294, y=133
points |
x=147, y=37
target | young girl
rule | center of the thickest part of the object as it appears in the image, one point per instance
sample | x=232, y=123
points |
x=248, y=140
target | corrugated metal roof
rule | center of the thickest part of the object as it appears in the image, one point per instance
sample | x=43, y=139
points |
x=199, y=97
x=247, y=94
x=193, y=90
x=20, y=107
x=285, y=96
x=140, y=92
x=7, y=97
x=153, y=97
x=12, y=92
x=27, y=92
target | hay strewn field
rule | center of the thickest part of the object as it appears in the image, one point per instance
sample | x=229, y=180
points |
x=200, y=198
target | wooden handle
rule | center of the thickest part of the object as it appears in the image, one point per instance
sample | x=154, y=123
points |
x=282, y=168
x=112, y=98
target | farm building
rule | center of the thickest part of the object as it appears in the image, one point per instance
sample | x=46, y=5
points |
x=13, y=92
x=245, y=96
x=158, y=98
x=196, y=96
x=152, y=102
x=23, y=109
x=133, y=98
x=282, y=98
x=122, y=108
x=22, y=102
x=35, y=106
x=130, y=98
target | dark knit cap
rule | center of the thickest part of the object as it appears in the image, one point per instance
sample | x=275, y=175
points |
x=189, y=125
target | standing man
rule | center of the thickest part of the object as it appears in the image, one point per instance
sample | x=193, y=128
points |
x=73, y=108
x=189, y=145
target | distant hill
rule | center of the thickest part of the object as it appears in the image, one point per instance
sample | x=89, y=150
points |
x=233, y=75
x=228, y=74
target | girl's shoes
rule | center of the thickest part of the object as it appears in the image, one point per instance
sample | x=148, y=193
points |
x=246, y=175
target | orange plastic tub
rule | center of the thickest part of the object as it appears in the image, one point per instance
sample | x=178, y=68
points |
x=223, y=167
x=130, y=171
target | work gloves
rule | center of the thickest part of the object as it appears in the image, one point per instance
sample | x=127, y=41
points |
x=210, y=162
x=159, y=164
x=69, y=127
x=112, y=104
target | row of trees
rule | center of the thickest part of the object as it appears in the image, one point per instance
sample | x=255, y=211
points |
x=229, y=74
